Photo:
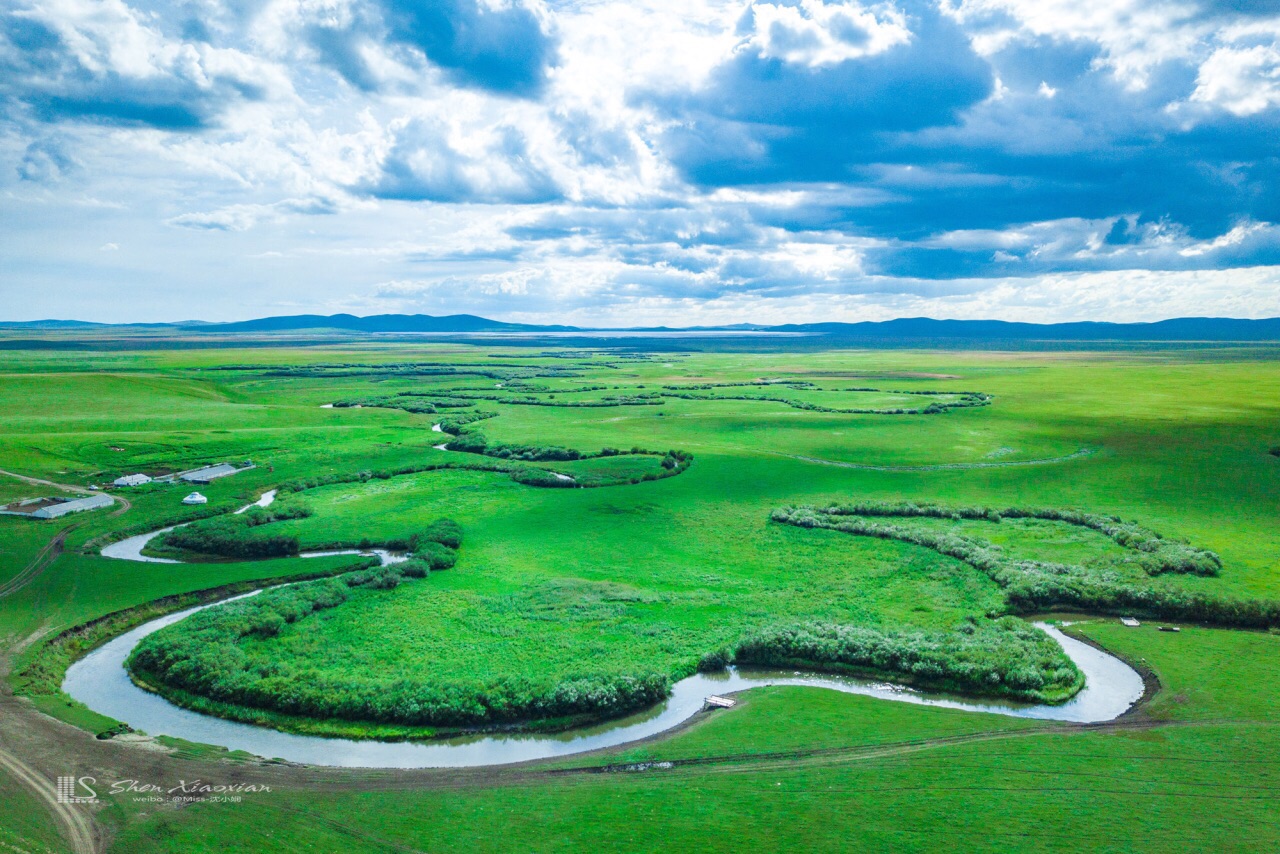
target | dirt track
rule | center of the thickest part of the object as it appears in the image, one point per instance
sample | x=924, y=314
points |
x=77, y=828
x=39, y=563
x=50, y=552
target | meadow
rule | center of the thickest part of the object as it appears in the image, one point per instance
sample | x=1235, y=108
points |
x=728, y=514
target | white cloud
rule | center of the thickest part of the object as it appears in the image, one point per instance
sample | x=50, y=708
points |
x=1243, y=81
x=453, y=198
x=1135, y=36
x=817, y=34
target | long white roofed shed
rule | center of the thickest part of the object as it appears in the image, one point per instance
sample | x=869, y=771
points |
x=208, y=473
x=76, y=505
x=132, y=480
x=52, y=508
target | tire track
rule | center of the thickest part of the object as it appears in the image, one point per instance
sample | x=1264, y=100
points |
x=39, y=564
x=77, y=828
x=54, y=548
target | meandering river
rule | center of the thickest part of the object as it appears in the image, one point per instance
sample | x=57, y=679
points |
x=100, y=681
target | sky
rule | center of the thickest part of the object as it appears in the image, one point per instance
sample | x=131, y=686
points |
x=635, y=162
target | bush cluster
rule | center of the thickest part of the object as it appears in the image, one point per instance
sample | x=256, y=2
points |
x=673, y=462
x=236, y=536
x=935, y=408
x=1003, y=657
x=453, y=424
x=1159, y=554
x=1036, y=586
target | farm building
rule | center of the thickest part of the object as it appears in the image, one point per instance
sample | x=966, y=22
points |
x=195, y=498
x=209, y=473
x=52, y=508
x=132, y=480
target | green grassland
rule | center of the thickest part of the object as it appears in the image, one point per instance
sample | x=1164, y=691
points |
x=794, y=768
x=632, y=579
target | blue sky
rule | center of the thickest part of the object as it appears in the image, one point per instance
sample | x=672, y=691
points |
x=635, y=161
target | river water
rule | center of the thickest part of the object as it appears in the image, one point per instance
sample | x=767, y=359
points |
x=100, y=681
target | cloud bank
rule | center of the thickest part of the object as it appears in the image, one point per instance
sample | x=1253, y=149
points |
x=638, y=162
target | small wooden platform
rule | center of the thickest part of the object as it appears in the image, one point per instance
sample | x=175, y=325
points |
x=721, y=702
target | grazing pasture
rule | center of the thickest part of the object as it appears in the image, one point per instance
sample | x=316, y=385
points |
x=625, y=517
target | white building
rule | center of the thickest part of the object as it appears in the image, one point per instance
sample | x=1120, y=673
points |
x=132, y=480
x=195, y=498
x=209, y=473
x=76, y=505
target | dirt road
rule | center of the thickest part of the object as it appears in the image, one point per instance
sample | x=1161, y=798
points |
x=77, y=828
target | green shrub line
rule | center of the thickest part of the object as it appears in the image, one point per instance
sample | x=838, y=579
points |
x=426, y=403
x=453, y=424
x=934, y=408
x=430, y=402
x=233, y=535
x=528, y=475
x=1033, y=586
x=46, y=664
x=1160, y=555
x=1004, y=657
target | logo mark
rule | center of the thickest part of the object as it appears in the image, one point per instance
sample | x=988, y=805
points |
x=77, y=790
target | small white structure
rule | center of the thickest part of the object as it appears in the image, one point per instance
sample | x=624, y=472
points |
x=195, y=498
x=1130, y=622
x=721, y=702
x=132, y=480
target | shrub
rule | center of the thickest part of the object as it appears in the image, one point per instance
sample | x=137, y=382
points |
x=1036, y=586
x=414, y=568
x=229, y=536
x=714, y=662
x=446, y=532
x=435, y=555
x=1004, y=656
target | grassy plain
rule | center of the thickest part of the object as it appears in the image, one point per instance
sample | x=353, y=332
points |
x=655, y=574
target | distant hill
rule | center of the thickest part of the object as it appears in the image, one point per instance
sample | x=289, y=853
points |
x=915, y=328
x=381, y=323
x=49, y=324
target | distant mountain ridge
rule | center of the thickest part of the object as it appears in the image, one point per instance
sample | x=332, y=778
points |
x=1175, y=329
